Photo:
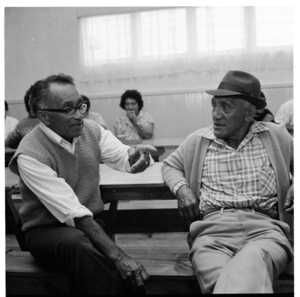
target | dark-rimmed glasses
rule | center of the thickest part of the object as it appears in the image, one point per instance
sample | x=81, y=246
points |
x=70, y=111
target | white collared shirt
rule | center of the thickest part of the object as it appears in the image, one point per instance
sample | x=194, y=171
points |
x=53, y=191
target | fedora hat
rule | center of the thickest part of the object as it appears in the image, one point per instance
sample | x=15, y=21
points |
x=240, y=85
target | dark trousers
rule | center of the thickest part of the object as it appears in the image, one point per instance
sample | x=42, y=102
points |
x=68, y=248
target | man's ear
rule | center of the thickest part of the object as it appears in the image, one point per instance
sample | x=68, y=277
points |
x=43, y=117
x=251, y=111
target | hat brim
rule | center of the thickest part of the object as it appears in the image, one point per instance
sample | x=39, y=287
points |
x=258, y=102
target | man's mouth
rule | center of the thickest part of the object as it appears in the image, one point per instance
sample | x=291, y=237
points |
x=218, y=125
x=78, y=124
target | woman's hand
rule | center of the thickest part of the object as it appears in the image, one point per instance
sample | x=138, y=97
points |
x=132, y=117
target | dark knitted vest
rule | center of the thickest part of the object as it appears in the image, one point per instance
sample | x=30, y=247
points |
x=80, y=171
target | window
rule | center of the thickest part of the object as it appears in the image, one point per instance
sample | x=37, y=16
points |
x=220, y=28
x=106, y=38
x=274, y=26
x=164, y=32
x=179, y=40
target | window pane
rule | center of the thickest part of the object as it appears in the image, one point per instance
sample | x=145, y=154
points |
x=220, y=28
x=274, y=26
x=106, y=38
x=163, y=32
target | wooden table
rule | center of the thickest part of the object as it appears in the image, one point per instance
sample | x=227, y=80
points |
x=118, y=186
x=167, y=143
x=113, y=182
x=147, y=185
x=161, y=144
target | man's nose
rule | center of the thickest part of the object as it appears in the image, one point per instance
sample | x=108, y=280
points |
x=217, y=114
x=78, y=114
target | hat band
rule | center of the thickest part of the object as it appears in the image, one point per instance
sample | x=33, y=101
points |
x=234, y=88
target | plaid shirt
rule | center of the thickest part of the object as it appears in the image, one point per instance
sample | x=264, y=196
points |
x=242, y=178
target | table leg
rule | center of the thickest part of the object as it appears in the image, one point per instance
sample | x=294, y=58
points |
x=112, y=212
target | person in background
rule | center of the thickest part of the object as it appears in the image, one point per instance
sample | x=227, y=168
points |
x=135, y=124
x=10, y=122
x=285, y=115
x=94, y=116
x=24, y=126
x=233, y=185
x=62, y=211
x=264, y=114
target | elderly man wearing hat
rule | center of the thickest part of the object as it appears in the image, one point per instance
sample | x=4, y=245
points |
x=232, y=181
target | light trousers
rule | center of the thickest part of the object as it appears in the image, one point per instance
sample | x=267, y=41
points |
x=239, y=252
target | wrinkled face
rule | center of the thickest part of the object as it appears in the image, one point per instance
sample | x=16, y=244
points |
x=229, y=118
x=64, y=96
x=132, y=105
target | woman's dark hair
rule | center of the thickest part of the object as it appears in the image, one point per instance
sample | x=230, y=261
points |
x=133, y=94
x=87, y=101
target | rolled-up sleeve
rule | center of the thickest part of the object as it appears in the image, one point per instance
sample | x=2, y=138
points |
x=53, y=191
x=113, y=152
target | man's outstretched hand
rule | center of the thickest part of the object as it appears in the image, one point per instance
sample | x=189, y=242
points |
x=139, y=157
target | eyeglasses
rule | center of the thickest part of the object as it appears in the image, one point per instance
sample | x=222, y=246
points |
x=70, y=111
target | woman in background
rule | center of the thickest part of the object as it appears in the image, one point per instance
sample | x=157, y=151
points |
x=94, y=116
x=24, y=126
x=135, y=124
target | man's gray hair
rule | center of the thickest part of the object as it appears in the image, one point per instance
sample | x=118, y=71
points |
x=40, y=90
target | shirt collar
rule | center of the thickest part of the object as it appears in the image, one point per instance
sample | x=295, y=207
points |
x=255, y=128
x=58, y=139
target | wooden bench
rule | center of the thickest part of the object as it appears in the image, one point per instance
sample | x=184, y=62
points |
x=169, y=268
x=169, y=273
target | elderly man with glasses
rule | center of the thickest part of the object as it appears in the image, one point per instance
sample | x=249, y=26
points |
x=58, y=165
x=233, y=184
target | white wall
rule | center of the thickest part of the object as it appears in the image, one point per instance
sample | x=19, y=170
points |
x=44, y=41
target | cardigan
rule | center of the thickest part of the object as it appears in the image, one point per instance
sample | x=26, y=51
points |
x=186, y=163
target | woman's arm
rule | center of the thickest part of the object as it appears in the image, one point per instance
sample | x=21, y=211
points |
x=145, y=131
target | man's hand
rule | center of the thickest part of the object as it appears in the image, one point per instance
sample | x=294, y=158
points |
x=139, y=158
x=188, y=204
x=289, y=200
x=132, y=272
